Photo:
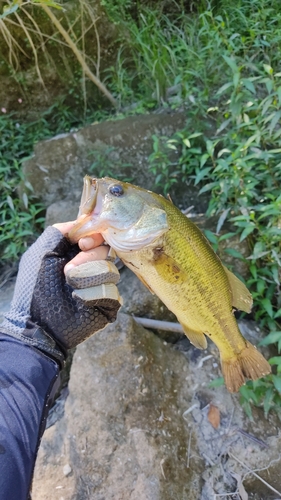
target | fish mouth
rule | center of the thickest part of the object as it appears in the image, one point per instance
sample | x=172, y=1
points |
x=84, y=225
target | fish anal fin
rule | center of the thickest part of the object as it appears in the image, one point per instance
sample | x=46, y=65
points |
x=241, y=297
x=250, y=363
x=198, y=339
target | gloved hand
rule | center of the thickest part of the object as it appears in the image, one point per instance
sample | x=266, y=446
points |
x=46, y=312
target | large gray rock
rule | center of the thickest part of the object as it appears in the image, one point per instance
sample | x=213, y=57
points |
x=57, y=168
x=122, y=435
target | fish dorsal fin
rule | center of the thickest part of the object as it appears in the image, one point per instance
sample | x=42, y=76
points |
x=241, y=297
x=198, y=339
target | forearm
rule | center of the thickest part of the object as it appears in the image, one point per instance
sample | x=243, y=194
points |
x=26, y=380
x=47, y=317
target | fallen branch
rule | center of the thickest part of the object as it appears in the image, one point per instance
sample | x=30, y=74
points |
x=159, y=325
x=254, y=474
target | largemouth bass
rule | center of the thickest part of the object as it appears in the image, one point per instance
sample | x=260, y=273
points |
x=175, y=261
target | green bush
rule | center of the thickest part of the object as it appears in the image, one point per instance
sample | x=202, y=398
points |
x=240, y=166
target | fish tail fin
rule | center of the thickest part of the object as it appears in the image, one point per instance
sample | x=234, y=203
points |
x=250, y=363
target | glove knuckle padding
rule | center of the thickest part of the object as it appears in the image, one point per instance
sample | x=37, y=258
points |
x=93, y=273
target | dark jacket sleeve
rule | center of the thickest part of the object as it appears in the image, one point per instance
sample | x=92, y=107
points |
x=27, y=377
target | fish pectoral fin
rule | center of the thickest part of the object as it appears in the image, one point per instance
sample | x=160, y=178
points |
x=198, y=339
x=168, y=268
x=241, y=297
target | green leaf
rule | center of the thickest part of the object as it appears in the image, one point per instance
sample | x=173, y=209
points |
x=201, y=174
x=267, y=402
x=25, y=200
x=276, y=360
x=208, y=187
x=196, y=134
x=274, y=121
x=279, y=95
x=226, y=236
x=234, y=253
x=267, y=306
x=260, y=286
x=253, y=271
x=277, y=382
x=7, y=10
x=186, y=141
x=268, y=69
x=222, y=151
x=231, y=63
x=271, y=338
x=10, y=202
x=211, y=236
x=218, y=382
x=203, y=159
x=249, y=85
x=225, y=87
x=248, y=230
x=210, y=147
x=221, y=220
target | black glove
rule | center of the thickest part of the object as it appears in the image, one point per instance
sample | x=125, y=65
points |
x=46, y=312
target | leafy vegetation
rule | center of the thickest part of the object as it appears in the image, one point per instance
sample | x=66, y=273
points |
x=220, y=64
x=22, y=219
x=239, y=165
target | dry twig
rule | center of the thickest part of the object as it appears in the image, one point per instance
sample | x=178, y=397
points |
x=78, y=55
x=256, y=475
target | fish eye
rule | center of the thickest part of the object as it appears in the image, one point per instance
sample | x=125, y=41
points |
x=116, y=190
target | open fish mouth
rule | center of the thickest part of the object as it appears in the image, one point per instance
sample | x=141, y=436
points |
x=88, y=197
x=84, y=225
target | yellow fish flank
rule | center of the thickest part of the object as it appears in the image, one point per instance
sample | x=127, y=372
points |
x=175, y=261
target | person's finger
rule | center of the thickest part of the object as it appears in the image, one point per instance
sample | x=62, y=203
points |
x=85, y=244
x=90, y=242
x=64, y=227
x=99, y=253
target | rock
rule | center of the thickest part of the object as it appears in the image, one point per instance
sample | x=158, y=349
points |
x=61, y=211
x=117, y=148
x=122, y=433
x=67, y=470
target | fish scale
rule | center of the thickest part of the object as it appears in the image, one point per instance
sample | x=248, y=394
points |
x=175, y=261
